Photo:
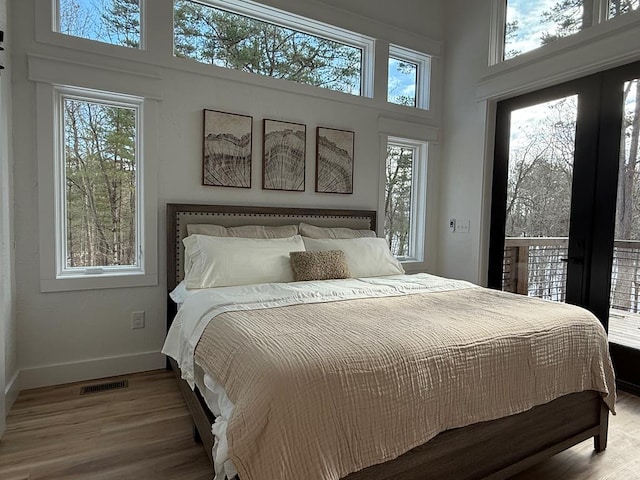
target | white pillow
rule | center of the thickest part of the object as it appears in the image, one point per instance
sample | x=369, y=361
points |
x=312, y=231
x=227, y=261
x=366, y=257
x=245, y=231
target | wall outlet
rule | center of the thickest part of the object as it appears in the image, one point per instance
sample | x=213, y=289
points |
x=137, y=320
x=452, y=225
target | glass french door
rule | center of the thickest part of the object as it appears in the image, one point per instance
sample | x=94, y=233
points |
x=622, y=137
x=565, y=222
x=538, y=205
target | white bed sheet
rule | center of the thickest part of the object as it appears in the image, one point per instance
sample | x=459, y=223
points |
x=219, y=404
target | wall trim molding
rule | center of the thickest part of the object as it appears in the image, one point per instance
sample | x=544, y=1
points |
x=607, y=45
x=57, y=374
x=11, y=392
x=64, y=71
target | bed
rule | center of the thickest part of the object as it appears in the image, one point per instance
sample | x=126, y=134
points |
x=496, y=448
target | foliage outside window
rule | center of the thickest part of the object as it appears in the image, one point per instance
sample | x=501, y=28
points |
x=532, y=24
x=408, y=77
x=405, y=198
x=110, y=21
x=541, y=155
x=220, y=37
x=403, y=79
x=100, y=200
x=620, y=7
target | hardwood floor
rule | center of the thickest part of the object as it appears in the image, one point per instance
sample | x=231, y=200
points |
x=620, y=461
x=144, y=433
x=138, y=433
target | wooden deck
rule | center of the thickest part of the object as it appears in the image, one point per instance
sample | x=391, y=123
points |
x=624, y=328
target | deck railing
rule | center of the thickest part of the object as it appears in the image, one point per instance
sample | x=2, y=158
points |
x=536, y=266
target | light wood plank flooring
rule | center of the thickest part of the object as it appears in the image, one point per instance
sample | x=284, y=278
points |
x=144, y=432
x=620, y=461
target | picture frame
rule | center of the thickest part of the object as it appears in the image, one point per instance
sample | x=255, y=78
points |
x=283, y=155
x=334, y=160
x=227, y=146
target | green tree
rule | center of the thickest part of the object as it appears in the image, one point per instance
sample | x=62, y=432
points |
x=215, y=36
x=569, y=17
x=111, y=21
x=121, y=20
x=397, y=201
x=100, y=168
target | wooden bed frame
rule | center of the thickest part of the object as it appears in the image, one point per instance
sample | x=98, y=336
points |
x=493, y=450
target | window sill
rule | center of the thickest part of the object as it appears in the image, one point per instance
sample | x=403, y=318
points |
x=94, y=282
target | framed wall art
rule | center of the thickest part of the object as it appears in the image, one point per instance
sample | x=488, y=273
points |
x=284, y=155
x=227, y=149
x=334, y=160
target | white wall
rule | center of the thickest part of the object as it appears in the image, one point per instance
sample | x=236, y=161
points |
x=87, y=334
x=471, y=91
x=8, y=364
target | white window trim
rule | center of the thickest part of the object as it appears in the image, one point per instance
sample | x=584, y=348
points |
x=306, y=25
x=55, y=18
x=53, y=276
x=419, y=179
x=105, y=98
x=423, y=75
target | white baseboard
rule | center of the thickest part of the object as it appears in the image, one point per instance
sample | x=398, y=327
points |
x=11, y=391
x=48, y=375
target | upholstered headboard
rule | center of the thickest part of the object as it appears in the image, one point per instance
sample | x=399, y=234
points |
x=181, y=215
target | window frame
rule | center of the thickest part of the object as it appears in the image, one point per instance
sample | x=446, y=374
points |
x=55, y=26
x=52, y=223
x=423, y=74
x=304, y=25
x=418, y=209
x=62, y=94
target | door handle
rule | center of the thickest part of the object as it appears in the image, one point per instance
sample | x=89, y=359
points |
x=578, y=259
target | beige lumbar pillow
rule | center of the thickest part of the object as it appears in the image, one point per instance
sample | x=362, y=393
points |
x=366, y=257
x=319, y=265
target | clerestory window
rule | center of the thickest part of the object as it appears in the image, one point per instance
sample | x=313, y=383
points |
x=253, y=38
x=531, y=24
x=116, y=22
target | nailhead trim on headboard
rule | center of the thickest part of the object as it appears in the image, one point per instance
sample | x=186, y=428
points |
x=183, y=216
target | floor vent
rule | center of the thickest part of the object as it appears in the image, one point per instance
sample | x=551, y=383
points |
x=104, y=387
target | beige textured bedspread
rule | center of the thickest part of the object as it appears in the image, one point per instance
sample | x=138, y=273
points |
x=323, y=390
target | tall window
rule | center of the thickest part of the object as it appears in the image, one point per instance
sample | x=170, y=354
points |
x=110, y=21
x=405, y=198
x=408, y=75
x=530, y=24
x=98, y=186
x=321, y=55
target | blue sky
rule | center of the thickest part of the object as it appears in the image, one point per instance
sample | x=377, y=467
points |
x=528, y=14
x=400, y=83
